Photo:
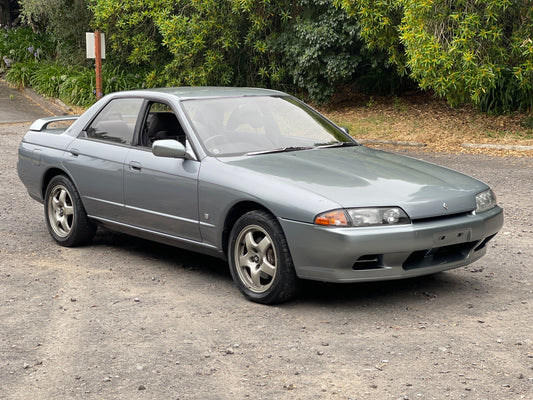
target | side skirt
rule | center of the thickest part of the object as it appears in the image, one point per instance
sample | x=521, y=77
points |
x=175, y=241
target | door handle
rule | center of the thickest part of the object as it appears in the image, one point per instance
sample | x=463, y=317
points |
x=74, y=152
x=135, y=165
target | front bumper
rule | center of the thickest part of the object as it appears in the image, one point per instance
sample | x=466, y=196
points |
x=389, y=252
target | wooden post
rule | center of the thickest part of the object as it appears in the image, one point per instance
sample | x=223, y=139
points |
x=98, y=64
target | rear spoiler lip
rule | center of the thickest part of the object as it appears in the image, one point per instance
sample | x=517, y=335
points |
x=42, y=123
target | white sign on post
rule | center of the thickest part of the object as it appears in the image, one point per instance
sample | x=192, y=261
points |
x=89, y=39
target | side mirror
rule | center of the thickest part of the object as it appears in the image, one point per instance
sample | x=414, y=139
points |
x=169, y=148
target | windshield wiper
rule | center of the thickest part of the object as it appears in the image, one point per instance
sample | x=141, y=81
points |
x=340, y=144
x=279, y=150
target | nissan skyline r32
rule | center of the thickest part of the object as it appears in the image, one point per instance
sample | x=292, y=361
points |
x=256, y=177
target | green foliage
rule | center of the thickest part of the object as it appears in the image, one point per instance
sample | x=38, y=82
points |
x=478, y=51
x=74, y=84
x=79, y=86
x=309, y=44
x=131, y=30
x=199, y=42
x=79, y=89
x=320, y=48
x=379, y=21
x=204, y=40
x=65, y=20
x=22, y=44
x=116, y=79
x=48, y=77
x=20, y=73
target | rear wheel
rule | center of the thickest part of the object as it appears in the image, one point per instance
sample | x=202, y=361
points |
x=65, y=215
x=260, y=261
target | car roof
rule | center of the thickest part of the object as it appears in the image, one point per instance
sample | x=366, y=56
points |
x=198, y=92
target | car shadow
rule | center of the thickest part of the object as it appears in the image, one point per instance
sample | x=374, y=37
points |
x=172, y=257
x=438, y=286
x=429, y=287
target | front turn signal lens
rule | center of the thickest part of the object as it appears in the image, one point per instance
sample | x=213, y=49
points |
x=332, y=218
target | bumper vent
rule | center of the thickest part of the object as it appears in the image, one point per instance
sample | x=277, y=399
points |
x=484, y=242
x=369, y=261
x=439, y=255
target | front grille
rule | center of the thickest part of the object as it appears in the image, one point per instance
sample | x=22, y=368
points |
x=439, y=255
x=441, y=217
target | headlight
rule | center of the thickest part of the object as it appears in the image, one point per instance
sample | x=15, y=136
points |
x=363, y=217
x=485, y=201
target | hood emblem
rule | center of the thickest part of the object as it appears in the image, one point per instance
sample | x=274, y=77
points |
x=445, y=206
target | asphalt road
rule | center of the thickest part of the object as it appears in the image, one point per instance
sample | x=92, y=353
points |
x=129, y=319
x=24, y=106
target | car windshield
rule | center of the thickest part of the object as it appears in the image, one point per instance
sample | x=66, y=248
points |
x=259, y=124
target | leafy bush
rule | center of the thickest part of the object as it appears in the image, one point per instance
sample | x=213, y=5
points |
x=79, y=89
x=65, y=20
x=131, y=31
x=478, y=51
x=320, y=48
x=115, y=79
x=78, y=85
x=20, y=73
x=203, y=42
x=48, y=77
x=21, y=44
x=308, y=44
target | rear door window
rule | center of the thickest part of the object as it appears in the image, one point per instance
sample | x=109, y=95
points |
x=116, y=122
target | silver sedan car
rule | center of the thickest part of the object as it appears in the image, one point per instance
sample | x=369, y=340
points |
x=256, y=177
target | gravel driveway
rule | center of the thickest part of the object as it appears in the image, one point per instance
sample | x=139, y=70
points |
x=130, y=319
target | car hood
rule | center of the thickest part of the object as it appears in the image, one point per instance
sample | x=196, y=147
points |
x=362, y=177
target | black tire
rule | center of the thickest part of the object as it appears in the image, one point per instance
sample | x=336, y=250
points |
x=259, y=259
x=65, y=215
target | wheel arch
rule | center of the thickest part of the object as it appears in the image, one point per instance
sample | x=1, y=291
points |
x=235, y=212
x=51, y=174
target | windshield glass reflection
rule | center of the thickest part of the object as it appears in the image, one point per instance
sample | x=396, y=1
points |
x=259, y=124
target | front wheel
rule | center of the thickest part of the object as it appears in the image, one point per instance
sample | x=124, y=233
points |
x=65, y=215
x=259, y=259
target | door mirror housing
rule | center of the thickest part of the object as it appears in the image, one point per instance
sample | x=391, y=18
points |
x=170, y=148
